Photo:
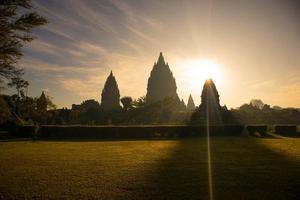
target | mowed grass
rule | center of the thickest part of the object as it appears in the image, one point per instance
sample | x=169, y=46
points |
x=242, y=168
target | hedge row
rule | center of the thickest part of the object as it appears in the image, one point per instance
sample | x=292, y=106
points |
x=261, y=129
x=102, y=132
x=18, y=131
x=286, y=130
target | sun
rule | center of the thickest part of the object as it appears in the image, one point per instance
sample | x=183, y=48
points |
x=199, y=70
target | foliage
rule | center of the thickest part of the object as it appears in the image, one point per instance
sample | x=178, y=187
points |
x=257, y=103
x=140, y=102
x=248, y=114
x=16, y=23
x=127, y=103
x=18, y=83
x=5, y=113
x=261, y=129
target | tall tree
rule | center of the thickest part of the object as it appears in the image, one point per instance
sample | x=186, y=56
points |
x=18, y=83
x=16, y=23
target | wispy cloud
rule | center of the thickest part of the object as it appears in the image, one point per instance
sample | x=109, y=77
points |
x=84, y=40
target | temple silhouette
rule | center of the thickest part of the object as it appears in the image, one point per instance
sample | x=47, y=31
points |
x=161, y=83
x=110, y=97
x=161, y=86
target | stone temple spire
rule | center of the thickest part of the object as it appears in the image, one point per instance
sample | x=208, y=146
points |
x=190, y=104
x=110, y=97
x=161, y=59
x=161, y=83
x=210, y=94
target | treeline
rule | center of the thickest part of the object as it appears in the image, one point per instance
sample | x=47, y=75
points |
x=256, y=112
x=24, y=110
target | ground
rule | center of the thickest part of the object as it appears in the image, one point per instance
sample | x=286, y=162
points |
x=242, y=168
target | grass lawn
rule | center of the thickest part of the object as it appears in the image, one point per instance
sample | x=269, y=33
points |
x=242, y=168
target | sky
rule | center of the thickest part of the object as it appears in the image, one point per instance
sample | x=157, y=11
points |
x=254, y=45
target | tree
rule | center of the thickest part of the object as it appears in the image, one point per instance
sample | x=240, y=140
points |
x=50, y=104
x=140, y=102
x=127, y=102
x=19, y=84
x=89, y=104
x=15, y=28
x=257, y=103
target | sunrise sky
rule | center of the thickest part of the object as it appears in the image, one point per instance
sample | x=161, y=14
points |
x=254, y=45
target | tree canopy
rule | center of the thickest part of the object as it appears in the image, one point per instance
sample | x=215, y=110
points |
x=16, y=22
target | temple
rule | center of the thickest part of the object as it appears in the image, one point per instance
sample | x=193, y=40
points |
x=161, y=83
x=110, y=97
x=210, y=106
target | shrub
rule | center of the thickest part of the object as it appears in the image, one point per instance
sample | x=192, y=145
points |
x=261, y=129
x=26, y=131
x=286, y=130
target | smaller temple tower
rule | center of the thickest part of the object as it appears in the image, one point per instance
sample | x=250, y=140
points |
x=190, y=105
x=42, y=102
x=110, y=97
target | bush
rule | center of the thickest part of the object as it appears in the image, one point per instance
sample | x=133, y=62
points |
x=102, y=132
x=26, y=131
x=261, y=129
x=286, y=130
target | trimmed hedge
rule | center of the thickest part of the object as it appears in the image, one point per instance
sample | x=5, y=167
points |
x=14, y=131
x=286, y=130
x=102, y=132
x=261, y=129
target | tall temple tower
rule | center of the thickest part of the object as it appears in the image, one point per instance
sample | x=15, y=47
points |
x=161, y=83
x=210, y=96
x=210, y=106
x=110, y=97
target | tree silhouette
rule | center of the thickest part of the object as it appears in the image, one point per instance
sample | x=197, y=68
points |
x=127, y=102
x=110, y=97
x=89, y=104
x=257, y=103
x=190, y=104
x=140, y=102
x=19, y=84
x=15, y=27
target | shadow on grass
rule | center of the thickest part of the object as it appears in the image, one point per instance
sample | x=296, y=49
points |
x=242, y=168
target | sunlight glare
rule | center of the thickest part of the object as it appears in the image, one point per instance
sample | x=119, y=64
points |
x=199, y=70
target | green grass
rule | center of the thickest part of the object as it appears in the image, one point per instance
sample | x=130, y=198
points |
x=243, y=168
